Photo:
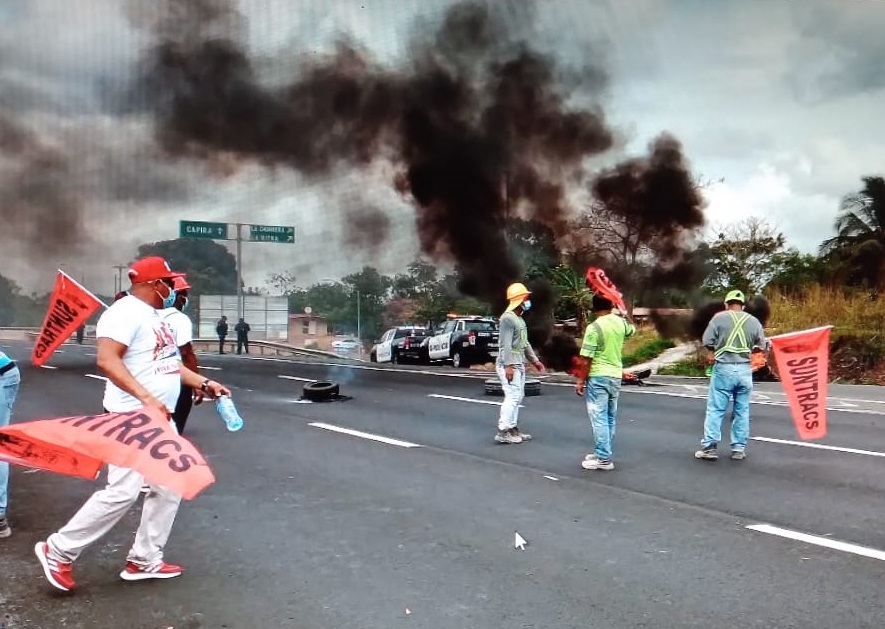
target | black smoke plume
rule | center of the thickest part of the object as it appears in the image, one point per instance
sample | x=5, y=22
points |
x=757, y=305
x=475, y=106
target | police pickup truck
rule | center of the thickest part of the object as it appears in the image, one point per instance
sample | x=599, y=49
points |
x=399, y=344
x=465, y=341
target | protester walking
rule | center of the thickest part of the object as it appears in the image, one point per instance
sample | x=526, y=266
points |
x=221, y=329
x=730, y=339
x=183, y=331
x=138, y=354
x=10, y=377
x=513, y=350
x=599, y=378
x=242, y=329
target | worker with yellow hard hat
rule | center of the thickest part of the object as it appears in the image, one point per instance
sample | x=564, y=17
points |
x=514, y=350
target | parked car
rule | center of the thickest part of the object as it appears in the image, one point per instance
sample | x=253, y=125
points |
x=345, y=345
x=465, y=341
x=402, y=343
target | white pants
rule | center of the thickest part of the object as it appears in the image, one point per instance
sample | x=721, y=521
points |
x=107, y=506
x=514, y=392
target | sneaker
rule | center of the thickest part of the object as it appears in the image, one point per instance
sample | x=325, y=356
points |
x=58, y=573
x=5, y=531
x=597, y=464
x=507, y=437
x=522, y=435
x=738, y=455
x=162, y=570
x=708, y=454
x=591, y=457
x=145, y=489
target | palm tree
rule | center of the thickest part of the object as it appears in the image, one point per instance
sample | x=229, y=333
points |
x=859, y=244
x=573, y=293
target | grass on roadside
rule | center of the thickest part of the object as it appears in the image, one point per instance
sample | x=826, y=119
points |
x=643, y=346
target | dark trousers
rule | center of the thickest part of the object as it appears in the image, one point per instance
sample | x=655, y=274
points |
x=242, y=342
x=183, y=408
x=221, y=338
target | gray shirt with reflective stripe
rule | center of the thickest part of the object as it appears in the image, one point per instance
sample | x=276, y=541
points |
x=720, y=329
x=513, y=341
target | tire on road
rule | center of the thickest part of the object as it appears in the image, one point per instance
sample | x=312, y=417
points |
x=532, y=387
x=458, y=361
x=320, y=391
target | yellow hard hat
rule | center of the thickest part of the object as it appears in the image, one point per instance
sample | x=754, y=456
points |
x=516, y=294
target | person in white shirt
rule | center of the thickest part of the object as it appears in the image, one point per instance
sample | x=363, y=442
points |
x=138, y=353
x=183, y=331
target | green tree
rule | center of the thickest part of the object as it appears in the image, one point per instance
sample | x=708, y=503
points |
x=746, y=255
x=534, y=246
x=211, y=269
x=372, y=290
x=858, y=248
x=799, y=270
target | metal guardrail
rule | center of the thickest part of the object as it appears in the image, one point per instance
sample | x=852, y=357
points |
x=267, y=348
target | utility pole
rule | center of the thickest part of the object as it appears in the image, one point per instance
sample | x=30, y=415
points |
x=118, y=286
x=359, y=335
x=240, y=306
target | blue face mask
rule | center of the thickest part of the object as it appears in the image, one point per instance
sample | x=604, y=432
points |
x=169, y=300
x=527, y=305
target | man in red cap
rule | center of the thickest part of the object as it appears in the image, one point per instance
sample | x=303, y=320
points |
x=183, y=331
x=138, y=354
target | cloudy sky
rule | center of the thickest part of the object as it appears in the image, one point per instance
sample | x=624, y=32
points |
x=782, y=100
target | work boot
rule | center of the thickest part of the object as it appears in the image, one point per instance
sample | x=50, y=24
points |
x=708, y=453
x=506, y=436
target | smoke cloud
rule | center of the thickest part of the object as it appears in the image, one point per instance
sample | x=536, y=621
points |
x=473, y=107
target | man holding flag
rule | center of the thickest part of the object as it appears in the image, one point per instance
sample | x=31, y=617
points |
x=138, y=353
x=730, y=338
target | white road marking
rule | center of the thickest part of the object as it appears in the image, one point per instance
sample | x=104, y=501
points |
x=466, y=399
x=297, y=378
x=91, y=354
x=47, y=367
x=365, y=435
x=819, y=446
x=96, y=376
x=207, y=368
x=550, y=477
x=846, y=547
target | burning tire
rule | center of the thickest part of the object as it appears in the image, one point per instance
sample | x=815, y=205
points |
x=320, y=391
x=532, y=387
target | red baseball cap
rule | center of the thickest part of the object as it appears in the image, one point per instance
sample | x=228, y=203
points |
x=150, y=269
x=179, y=283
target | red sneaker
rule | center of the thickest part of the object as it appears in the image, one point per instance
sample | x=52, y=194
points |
x=162, y=570
x=58, y=573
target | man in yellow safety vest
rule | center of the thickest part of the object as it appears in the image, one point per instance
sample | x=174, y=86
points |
x=731, y=337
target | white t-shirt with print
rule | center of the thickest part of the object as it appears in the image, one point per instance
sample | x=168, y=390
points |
x=151, y=356
x=182, y=327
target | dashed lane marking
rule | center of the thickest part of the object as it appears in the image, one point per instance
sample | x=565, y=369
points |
x=471, y=400
x=819, y=446
x=365, y=435
x=826, y=542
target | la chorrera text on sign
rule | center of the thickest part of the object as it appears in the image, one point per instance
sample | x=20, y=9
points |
x=804, y=374
x=61, y=315
x=130, y=430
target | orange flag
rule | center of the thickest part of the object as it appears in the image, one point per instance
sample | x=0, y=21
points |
x=69, y=308
x=141, y=440
x=600, y=283
x=803, y=364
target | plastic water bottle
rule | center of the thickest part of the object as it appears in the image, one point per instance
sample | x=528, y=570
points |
x=709, y=371
x=225, y=407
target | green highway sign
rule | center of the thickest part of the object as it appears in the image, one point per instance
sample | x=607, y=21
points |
x=202, y=229
x=271, y=233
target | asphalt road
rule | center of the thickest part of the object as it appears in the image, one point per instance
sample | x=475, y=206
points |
x=312, y=528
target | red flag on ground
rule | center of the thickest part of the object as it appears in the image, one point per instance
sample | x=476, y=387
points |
x=803, y=364
x=69, y=308
x=141, y=440
x=600, y=283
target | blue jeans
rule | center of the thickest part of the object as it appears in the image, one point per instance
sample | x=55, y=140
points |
x=602, y=407
x=729, y=380
x=8, y=392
